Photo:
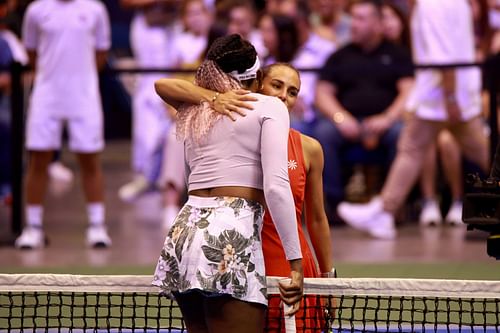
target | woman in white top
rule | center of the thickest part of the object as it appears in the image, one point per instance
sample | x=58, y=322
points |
x=233, y=171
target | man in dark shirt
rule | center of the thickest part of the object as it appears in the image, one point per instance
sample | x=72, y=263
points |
x=361, y=94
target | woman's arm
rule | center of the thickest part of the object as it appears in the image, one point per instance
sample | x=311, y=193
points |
x=316, y=220
x=177, y=91
x=278, y=194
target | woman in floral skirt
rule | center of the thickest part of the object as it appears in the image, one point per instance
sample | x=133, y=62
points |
x=212, y=258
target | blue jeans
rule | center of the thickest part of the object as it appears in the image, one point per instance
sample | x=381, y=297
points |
x=340, y=152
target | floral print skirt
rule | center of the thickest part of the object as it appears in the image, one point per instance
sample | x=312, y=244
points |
x=214, y=245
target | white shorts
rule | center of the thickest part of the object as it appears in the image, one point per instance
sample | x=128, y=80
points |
x=86, y=132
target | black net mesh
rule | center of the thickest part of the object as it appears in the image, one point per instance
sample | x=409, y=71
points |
x=106, y=311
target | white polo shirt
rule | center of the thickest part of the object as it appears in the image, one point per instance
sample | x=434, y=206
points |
x=442, y=33
x=66, y=36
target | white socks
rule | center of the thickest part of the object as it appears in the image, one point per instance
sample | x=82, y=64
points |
x=34, y=216
x=96, y=212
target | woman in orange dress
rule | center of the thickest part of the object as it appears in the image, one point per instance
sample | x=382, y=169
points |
x=305, y=170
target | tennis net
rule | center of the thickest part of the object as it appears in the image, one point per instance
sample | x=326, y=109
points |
x=79, y=303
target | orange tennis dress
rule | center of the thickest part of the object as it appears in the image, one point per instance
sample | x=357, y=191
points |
x=274, y=255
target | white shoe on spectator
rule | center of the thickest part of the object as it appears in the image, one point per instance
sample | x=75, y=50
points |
x=358, y=215
x=58, y=171
x=30, y=238
x=454, y=216
x=169, y=215
x=369, y=217
x=135, y=188
x=98, y=237
x=382, y=226
x=430, y=214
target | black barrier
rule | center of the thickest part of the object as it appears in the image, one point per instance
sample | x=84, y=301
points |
x=491, y=70
x=17, y=142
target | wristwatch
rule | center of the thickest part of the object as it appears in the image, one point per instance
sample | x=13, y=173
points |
x=331, y=274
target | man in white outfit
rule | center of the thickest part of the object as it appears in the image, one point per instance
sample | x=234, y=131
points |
x=67, y=41
x=442, y=33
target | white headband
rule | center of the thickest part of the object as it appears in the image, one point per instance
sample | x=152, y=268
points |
x=250, y=73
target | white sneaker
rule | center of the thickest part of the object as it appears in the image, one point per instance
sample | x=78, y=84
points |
x=369, y=217
x=31, y=238
x=430, y=214
x=359, y=215
x=169, y=216
x=58, y=171
x=97, y=236
x=454, y=216
x=135, y=188
x=382, y=226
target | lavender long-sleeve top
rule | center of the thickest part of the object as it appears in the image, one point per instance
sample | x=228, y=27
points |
x=250, y=152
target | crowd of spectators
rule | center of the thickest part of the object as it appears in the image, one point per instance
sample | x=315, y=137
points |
x=355, y=103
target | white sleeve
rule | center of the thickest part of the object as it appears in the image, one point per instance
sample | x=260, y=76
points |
x=277, y=191
x=103, y=30
x=30, y=30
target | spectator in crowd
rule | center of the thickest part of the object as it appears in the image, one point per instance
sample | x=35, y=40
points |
x=450, y=157
x=290, y=39
x=331, y=21
x=313, y=52
x=482, y=28
x=65, y=37
x=189, y=43
x=152, y=41
x=396, y=25
x=283, y=7
x=280, y=37
x=360, y=95
x=442, y=32
x=242, y=19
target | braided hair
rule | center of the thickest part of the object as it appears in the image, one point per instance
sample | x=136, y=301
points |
x=226, y=54
x=232, y=53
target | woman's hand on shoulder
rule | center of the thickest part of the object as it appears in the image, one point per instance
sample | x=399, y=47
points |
x=233, y=101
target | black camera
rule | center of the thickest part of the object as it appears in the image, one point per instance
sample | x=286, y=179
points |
x=482, y=210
